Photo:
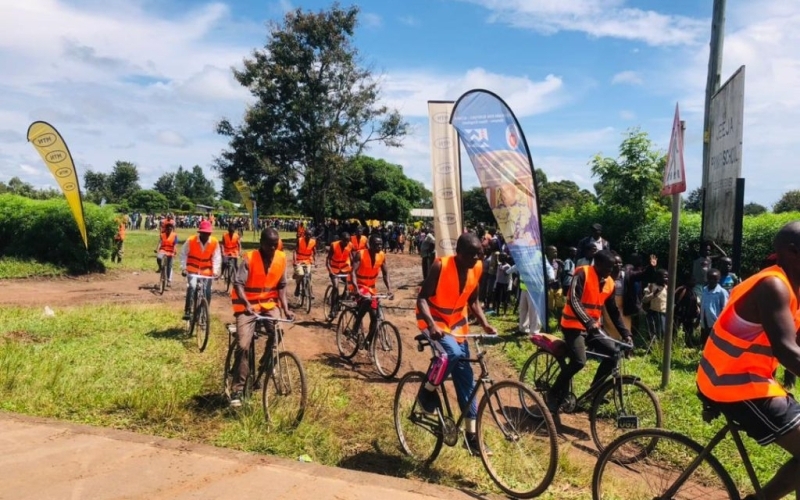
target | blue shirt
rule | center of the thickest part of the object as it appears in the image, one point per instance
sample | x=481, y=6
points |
x=711, y=304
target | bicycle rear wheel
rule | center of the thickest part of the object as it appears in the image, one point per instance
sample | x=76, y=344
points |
x=655, y=473
x=284, y=392
x=228, y=375
x=201, y=324
x=518, y=449
x=419, y=433
x=621, y=406
x=228, y=277
x=386, y=349
x=347, y=339
x=540, y=372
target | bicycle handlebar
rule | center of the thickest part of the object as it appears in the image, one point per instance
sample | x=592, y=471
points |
x=200, y=276
x=261, y=317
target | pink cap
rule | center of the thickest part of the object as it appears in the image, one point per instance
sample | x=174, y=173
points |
x=205, y=227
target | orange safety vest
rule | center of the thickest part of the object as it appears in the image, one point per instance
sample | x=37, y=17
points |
x=120, y=236
x=448, y=307
x=230, y=244
x=199, y=261
x=280, y=244
x=340, y=258
x=305, y=250
x=168, y=244
x=367, y=273
x=261, y=288
x=735, y=369
x=592, y=300
x=357, y=244
x=166, y=221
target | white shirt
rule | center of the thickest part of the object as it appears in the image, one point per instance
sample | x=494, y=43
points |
x=216, y=259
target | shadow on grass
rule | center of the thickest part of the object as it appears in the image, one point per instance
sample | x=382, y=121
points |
x=169, y=333
x=208, y=404
x=378, y=461
x=355, y=368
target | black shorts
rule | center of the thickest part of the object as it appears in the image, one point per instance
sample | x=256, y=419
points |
x=765, y=419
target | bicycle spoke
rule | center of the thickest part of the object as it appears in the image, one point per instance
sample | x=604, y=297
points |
x=419, y=434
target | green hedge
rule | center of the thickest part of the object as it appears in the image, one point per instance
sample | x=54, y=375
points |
x=567, y=227
x=46, y=231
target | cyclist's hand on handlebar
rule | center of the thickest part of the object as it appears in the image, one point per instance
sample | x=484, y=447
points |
x=390, y=296
x=183, y=273
x=436, y=334
x=490, y=330
x=249, y=309
x=289, y=315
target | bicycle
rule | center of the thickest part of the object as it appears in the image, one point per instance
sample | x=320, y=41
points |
x=383, y=340
x=504, y=425
x=162, y=282
x=228, y=271
x=306, y=289
x=284, y=389
x=331, y=301
x=684, y=468
x=617, y=404
x=199, y=322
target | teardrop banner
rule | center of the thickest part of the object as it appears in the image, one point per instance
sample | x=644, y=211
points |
x=55, y=153
x=499, y=152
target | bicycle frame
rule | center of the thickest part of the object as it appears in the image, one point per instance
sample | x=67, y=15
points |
x=199, y=286
x=616, y=374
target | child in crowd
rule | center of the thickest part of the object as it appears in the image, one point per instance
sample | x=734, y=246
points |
x=655, y=300
x=588, y=256
x=502, y=283
x=687, y=309
x=568, y=269
x=727, y=279
x=712, y=302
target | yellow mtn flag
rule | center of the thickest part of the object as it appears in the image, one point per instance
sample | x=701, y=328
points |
x=51, y=146
x=247, y=196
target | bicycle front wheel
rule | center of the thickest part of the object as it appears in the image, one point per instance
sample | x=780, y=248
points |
x=327, y=304
x=162, y=284
x=540, y=372
x=419, y=433
x=346, y=337
x=518, y=449
x=622, y=405
x=284, y=392
x=663, y=457
x=228, y=375
x=307, y=293
x=386, y=349
x=202, y=324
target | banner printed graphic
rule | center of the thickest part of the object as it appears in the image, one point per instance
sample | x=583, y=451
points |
x=446, y=169
x=53, y=150
x=499, y=153
x=247, y=196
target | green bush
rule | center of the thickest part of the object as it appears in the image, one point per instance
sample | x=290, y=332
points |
x=46, y=231
x=567, y=227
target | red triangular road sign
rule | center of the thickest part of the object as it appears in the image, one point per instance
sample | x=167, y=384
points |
x=675, y=173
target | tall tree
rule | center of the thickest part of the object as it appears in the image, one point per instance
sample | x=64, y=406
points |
x=316, y=108
x=789, y=202
x=753, y=208
x=149, y=201
x=123, y=181
x=95, y=185
x=631, y=183
x=476, y=207
x=166, y=185
x=694, y=202
x=553, y=196
x=200, y=189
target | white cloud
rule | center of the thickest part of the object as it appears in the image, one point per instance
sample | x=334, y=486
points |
x=627, y=77
x=409, y=20
x=30, y=170
x=371, y=20
x=171, y=138
x=597, y=18
x=410, y=91
x=627, y=115
x=763, y=35
x=572, y=140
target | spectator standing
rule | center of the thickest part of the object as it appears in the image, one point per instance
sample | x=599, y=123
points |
x=427, y=249
x=655, y=297
x=687, y=310
x=502, y=283
x=703, y=263
x=568, y=269
x=712, y=302
x=618, y=275
x=596, y=237
x=727, y=279
x=588, y=255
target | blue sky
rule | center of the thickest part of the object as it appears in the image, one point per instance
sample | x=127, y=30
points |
x=146, y=80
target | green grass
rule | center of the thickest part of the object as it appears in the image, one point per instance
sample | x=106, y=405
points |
x=139, y=255
x=681, y=407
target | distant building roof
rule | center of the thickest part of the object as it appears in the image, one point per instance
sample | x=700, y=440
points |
x=422, y=212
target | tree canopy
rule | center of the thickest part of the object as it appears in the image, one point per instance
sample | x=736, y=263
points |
x=19, y=187
x=476, y=208
x=789, y=202
x=316, y=110
x=115, y=187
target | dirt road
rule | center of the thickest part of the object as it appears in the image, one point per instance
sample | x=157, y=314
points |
x=45, y=459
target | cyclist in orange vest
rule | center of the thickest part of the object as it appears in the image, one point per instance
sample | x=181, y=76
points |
x=258, y=288
x=757, y=331
x=167, y=243
x=447, y=294
x=366, y=266
x=338, y=259
x=200, y=255
x=591, y=289
x=231, y=247
x=304, y=256
x=119, y=241
x=358, y=241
